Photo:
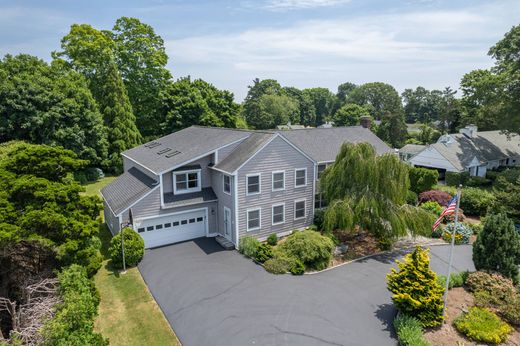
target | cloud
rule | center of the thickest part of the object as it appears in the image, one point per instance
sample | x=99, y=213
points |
x=417, y=48
x=285, y=5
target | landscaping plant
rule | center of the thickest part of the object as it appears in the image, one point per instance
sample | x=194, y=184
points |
x=409, y=331
x=422, y=179
x=441, y=197
x=476, y=201
x=497, y=247
x=482, y=325
x=272, y=239
x=264, y=252
x=432, y=207
x=310, y=247
x=248, y=246
x=134, y=248
x=279, y=264
x=462, y=233
x=415, y=290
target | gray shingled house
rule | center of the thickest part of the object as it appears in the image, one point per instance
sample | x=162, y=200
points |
x=470, y=151
x=228, y=183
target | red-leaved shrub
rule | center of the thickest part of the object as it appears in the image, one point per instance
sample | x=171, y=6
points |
x=441, y=197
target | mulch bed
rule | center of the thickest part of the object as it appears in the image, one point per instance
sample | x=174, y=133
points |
x=359, y=245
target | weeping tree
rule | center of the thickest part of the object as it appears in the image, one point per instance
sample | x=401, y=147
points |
x=369, y=191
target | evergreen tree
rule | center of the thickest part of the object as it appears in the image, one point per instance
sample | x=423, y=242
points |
x=370, y=191
x=415, y=289
x=497, y=247
x=119, y=119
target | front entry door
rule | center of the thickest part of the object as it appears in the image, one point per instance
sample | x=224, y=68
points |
x=227, y=223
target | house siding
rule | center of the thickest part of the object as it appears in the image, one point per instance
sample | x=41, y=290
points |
x=430, y=157
x=151, y=206
x=111, y=220
x=224, y=200
x=205, y=174
x=276, y=156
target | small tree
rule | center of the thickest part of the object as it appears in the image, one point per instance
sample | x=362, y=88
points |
x=134, y=248
x=415, y=289
x=422, y=179
x=497, y=247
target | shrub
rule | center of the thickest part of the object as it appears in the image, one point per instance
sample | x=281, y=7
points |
x=478, y=182
x=319, y=218
x=497, y=247
x=272, y=239
x=311, y=248
x=441, y=197
x=432, y=207
x=248, y=246
x=456, y=280
x=415, y=289
x=462, y=233
x=134, y=248
x=422, y=179
x=87, y=175
x=264, y=252
x=482, y=325
x=451, y=217
x=409, y=331
x=493, y=283
x=476, y=201
x=456, y=179
x=411, y=198
x=298, y=268
x=476, y=227
x=437, y=233
x=73, y=323
x=279, y=264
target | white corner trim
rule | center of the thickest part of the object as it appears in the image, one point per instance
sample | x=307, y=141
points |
x=300, y=169
x=272, y=214
x=235, y=199
x=272, y=181
x=305, y=209
x=162, y=190
x=314, y=182
x=259, y=175
x=259, y=219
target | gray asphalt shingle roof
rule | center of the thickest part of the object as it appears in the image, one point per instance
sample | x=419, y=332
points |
x=190, y=142
x=412, y=148
x=127, y=189
x=323, y=144
x=485, y=146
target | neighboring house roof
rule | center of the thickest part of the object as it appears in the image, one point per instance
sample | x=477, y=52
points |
x=244, y=151
x=323, y=144
x=184, y=145
x=485, y=146
x=290, y=127
x=412, y=149
x=127, y=189
x=205, y=195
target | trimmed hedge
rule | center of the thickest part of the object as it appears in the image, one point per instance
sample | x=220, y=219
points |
x=456, y=179
x=422, y=179
x=134, y=248
x=482, y=325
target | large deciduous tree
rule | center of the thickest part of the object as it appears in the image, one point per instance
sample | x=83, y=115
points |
x=393, y=129
x=50, y=104
x=324, y=102
x=379, y=98
x=349, y=115
x=306, y=106
x=369, y=191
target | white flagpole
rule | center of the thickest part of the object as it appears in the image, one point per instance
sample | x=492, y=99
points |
x=454, y=232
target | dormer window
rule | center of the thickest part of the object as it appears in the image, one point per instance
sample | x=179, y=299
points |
x=186, y=181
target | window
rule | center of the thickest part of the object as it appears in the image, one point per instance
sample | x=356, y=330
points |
x=185, y=182
x=278, y=212
x=192, y=220
x=167, y=225
x=199, y=219
x=253, y=184
x=278, y=181
x=149, y=228
x=300, y=177
x=299, y=209
x=253, y=219
x=319, y=201
x=227, y=184
x=158, y=226
x=140, y=230
x=176, y=223
x=321, y=168
x=184, y=222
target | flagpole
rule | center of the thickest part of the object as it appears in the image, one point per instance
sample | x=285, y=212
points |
x=453, y=233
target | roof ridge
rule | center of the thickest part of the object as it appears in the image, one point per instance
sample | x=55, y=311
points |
x=233, y=129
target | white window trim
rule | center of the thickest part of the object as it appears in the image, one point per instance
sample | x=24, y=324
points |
x=272, y=181
x=259, y=219
x=259, y=175
x=272, y=214
x=188, y=190
x=300, y=169
x=224, y=185
x=304, y=209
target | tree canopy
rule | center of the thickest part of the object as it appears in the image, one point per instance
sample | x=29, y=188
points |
x=379, y=98
x=349, y=115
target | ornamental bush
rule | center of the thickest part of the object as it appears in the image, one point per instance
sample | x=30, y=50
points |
x=248, y=246
x=476, y=201
x=441, y=197
x=264, y=252
x=415, y=290
x=462, y=233
x=272, y=239
x=497, y=247
x=279, y=264
x=482, y=325
x=422, y=179
x=456, y=179
x=134, y=248
x=432, y=207
x=409, y=331
x=411, y=198
x=298, y=268
x=310, y=247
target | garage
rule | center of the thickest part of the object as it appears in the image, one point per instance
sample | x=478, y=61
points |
x=172, y=228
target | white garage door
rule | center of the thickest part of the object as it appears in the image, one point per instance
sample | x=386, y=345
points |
x=172, y=229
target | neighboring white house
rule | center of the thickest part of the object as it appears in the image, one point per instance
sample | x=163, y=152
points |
x=470, y=151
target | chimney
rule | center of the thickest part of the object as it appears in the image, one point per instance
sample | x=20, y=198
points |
x=366, y=121
x=469, y=131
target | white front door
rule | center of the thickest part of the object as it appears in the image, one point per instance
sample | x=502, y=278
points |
x=227, y=223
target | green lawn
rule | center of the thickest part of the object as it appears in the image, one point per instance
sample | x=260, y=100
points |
x=128, y=314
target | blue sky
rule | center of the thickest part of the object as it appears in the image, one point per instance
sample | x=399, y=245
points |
x=302, y=43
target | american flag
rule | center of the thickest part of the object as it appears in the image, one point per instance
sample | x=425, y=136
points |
x=450, y=209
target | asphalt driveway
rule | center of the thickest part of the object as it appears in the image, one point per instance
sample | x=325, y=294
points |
x=215, y=297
